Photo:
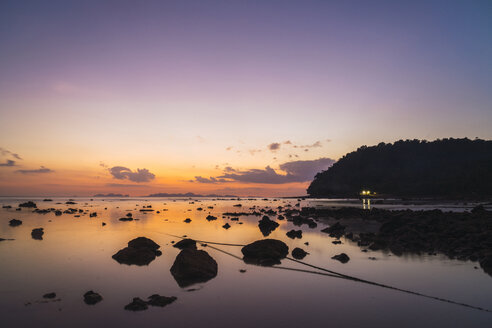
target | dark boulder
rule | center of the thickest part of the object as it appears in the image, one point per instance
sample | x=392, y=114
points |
x=143, y=242
x=299, y=253
x=15, y=222
x=267, y=226
x=37, y=233
x=266, y=252
x=294, y=234
x=49, y=295
x=185, y=243
x=137, y=305
x=158, y=300
x=91, y=298
x=127, y=218
x=188, y=220
x=342, y=257
x=486, y=263
x=28, y=204
x=140, y=251
x=211, y=218
x=226, y=226
x=193, y=266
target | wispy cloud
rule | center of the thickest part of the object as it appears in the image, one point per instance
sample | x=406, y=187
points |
x=124, y=185
x=122, y=173
x=42, y=169
x=5, y=152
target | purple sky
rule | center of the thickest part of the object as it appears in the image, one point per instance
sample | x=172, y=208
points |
x=188, y=88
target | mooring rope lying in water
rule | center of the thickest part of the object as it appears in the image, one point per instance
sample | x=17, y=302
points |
x=334, y=274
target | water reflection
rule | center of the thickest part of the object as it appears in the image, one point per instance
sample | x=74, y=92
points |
x=75, y=256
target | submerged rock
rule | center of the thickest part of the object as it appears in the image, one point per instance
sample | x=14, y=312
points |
x=267, y=226
x=140, y=251
x=294, y=234
x=49, y=295
x=91, y=298
x=299, y=253
x=185, y=243
x=158, y=300
x=342, y=257
x=335, y=230
x=193, y=266
x=266, y=252
x=37, y=233
x=137, y=305
x=15, y=223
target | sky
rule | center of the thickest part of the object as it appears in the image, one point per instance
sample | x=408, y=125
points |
x=228, y=97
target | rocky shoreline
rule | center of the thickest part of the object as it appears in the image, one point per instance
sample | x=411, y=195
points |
x=462, y=236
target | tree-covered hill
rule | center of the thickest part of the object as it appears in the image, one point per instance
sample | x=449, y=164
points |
x=452, y=168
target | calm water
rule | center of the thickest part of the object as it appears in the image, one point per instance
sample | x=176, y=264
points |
x=75, y=256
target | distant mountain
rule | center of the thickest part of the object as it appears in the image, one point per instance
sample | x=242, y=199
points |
x=110, y=195
x=188, y=194
x=447, y=168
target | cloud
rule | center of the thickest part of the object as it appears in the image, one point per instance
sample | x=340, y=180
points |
x=208, y=180
x=274, y=146
x=314, y=145
x=8, y=162
x=8, y=153
x=295, y=171
x=42, y=169
x=123, y=185
x=122, y=173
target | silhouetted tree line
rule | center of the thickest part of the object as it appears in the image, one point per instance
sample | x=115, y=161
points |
x=452, y=168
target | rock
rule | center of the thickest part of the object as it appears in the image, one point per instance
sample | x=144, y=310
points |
x=37, y=233
x=103, y=223
x=242, y=270
x=335, y=230
x=266, y=252
x=234, y=219
x=58, y=212
x=158, y=300
x=299, y=253
x=70, y=202
x=49, y=295
x=143, y=242
x=294, y=234
x=91, y=298
x=93, y=215
x=211, y=218
x=140, y=251
x=226, y=226
x=267, y=226
x=15, y=222
x=188, y=220
x=486, y=263
x=336, y=242
x=193, y=266
x=342, y=257
x=137, y=305
x=28, y=204
x=126, y=219
x=185, y=243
